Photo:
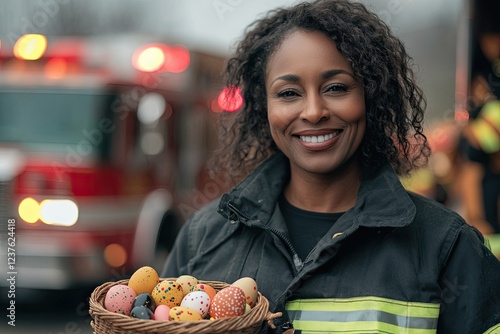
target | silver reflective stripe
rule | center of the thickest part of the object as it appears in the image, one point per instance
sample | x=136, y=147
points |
x=366, y=315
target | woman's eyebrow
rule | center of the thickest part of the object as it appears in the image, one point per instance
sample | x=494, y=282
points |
x=331, y=73
x=287, y=77
x=325, y=75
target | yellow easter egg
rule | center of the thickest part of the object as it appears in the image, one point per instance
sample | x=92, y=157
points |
x=249, y=287
x=182, y=313
x=143, y=280
x=187, y=282
x=167, y=293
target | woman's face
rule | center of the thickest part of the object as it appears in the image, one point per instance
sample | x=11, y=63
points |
x=316, y=107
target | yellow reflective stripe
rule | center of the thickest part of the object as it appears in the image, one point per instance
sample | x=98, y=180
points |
x=363, y=313
x=487, y=243
x=491, y=112
x=493, y=330
x=486, y=128
x=487, y=137
x=493, y=241
x=310, y=327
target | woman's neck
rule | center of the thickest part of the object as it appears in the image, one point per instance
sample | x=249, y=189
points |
x=324, y=193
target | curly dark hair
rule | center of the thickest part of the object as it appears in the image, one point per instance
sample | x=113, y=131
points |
x=394, y=103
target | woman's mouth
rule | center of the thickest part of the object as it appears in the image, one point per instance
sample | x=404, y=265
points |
x=319, y=139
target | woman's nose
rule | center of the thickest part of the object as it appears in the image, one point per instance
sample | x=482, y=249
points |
x=314, y=110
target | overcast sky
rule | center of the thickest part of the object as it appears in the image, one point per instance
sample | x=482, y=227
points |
x=211, y=24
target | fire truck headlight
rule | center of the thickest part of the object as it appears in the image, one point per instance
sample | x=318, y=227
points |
x=61, y=212
x=29, y=210
x=30, y=47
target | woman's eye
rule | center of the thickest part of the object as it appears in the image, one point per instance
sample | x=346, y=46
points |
x=287, y=94
x=337, y=88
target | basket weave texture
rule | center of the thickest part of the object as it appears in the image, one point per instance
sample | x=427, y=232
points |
x=106, y=322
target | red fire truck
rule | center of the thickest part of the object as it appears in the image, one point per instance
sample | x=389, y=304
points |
x=101, y=142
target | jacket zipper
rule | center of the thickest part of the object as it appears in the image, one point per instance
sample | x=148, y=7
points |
x=297, y=262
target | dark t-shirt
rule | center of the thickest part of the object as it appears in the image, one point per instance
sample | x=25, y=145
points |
x=306, y=228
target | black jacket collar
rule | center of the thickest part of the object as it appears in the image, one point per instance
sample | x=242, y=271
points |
x=382, y=201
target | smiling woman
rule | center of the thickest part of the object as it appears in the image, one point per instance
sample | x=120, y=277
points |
x=332, y=116
x=316, y=113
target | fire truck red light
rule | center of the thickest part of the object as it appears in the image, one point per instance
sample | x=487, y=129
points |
x=55, y=68
x=177, y=60
x=230, y=99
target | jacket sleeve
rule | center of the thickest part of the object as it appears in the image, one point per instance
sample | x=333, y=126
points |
x=470, y=286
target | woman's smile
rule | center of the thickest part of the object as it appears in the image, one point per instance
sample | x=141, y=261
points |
x=317, y=140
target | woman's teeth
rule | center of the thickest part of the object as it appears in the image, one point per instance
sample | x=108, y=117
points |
x=317, y=139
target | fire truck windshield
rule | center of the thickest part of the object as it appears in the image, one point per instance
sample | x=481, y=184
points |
x=51, y=119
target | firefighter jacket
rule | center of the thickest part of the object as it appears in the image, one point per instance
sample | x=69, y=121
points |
x=394, y=263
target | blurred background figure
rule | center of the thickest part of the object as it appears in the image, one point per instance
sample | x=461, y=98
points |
x=480, y=145
x=438, y=179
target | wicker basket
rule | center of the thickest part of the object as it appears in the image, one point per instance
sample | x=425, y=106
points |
x=106, y=322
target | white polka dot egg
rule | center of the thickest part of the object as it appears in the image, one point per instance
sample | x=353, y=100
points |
x=198, y=301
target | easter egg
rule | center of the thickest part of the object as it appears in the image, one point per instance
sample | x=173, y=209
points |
x=119, y=299
x=198, y=301
x=141, y=312
x=187, y=282
x=249, y=287
x=206, y=288
x=162, y=312
x=167, y=293
x=228, y=302
x=144, y=299
x=182, y=313
x=143, y=280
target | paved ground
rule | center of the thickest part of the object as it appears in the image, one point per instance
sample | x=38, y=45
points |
x=48, y=313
